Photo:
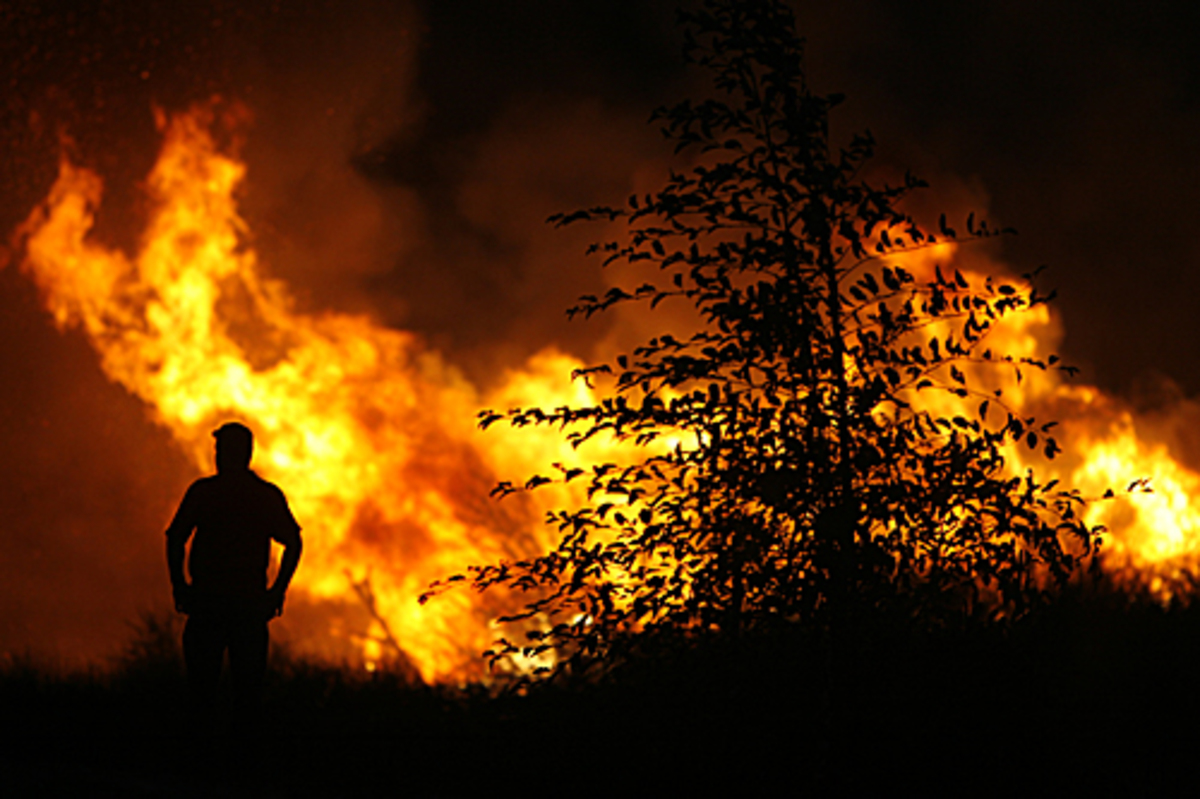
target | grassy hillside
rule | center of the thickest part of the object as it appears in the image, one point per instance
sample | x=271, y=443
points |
x=1095, y=693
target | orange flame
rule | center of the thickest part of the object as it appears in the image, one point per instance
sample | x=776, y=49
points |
x=1153, y=536
x=373, y=437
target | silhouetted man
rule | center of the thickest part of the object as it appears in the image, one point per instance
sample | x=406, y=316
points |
x=235, y=515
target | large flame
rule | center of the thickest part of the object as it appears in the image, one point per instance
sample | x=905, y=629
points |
x=1147, y=501
x=372, y=437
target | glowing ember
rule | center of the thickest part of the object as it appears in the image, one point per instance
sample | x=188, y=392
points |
x=373, y=438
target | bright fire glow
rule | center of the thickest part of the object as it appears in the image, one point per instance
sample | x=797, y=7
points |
x=373, y=438
x=1153, y=537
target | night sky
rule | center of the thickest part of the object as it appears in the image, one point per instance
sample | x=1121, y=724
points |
x=403, y=158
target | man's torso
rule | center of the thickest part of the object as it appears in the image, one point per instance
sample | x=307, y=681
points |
x=235, y=517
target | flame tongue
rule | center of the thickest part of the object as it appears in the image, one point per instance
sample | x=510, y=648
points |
x=373, y=438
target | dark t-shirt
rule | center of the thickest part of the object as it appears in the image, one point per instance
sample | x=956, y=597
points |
x=234, y=516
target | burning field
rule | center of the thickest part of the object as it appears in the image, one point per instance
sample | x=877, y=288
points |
x=372, y=433
x=364, y=409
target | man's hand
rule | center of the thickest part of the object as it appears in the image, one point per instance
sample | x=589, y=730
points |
x=275, y=597
x=183, y=597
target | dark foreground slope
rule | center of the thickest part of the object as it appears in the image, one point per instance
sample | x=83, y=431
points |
x=1098, y=695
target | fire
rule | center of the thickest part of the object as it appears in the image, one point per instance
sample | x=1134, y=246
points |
x=373, y=437
x=1154, y=538
x=1147, y=500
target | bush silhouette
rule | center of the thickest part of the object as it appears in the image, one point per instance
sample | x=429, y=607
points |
x=793, y=471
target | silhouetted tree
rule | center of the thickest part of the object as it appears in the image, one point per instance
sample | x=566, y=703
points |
x=807, y=481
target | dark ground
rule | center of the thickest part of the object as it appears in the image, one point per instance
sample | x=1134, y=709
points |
x=1095, y=696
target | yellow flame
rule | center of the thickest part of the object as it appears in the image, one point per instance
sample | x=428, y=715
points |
x=373, y=437
x=1153, y=536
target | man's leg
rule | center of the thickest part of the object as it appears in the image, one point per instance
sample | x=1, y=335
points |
x=248, y=645
x=204, y=642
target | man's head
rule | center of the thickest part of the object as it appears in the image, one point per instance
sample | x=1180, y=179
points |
x=235, y=443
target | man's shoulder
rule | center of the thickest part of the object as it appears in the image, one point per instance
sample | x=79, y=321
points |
x=202, y=484
x=288, y=527
x=218, y=485
x=266, y=485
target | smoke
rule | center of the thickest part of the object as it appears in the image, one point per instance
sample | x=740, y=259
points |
x=85, y=486
x=403, y=158
x=89, y=484
x=1076, y=120
x=365, y=194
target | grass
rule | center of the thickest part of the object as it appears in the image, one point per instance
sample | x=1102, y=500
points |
x=1093, y=694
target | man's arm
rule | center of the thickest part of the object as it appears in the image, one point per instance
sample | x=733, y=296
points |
x=175, y=553
x=178, y=533
x=287, y=532
x=287, y=568
x=180, y=588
